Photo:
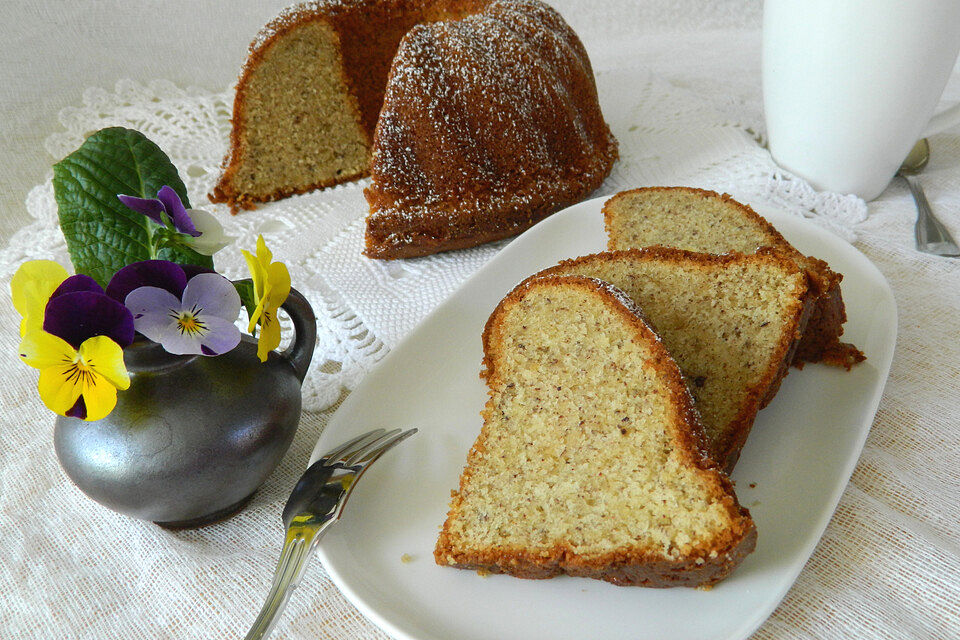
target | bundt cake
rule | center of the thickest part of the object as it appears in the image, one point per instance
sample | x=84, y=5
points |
x=699, y=220
x=590, y=460
x=475, y=118
x=731, y=322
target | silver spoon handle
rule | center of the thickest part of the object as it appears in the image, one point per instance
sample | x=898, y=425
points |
x=931, y=235
x=298, y=548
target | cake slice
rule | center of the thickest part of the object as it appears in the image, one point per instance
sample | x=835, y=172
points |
x=705, y=221
x=591, y=457
x=732, y=323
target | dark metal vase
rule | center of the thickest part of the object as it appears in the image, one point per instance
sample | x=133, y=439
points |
x=193, y=437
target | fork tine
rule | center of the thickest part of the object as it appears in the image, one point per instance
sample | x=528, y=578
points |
x=348, y=446
x=359, y=452
x=385, y=446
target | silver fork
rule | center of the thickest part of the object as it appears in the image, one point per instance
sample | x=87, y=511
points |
x=316, y=503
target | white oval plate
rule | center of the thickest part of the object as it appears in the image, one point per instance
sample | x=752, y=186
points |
x=801, y=452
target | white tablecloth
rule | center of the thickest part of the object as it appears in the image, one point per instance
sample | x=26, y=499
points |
x=679, y=84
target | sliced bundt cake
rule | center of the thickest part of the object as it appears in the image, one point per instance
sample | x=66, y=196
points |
x=476, y=118
x=732, y=323
x=490, y=123
x=591, y=457
x=705, y=221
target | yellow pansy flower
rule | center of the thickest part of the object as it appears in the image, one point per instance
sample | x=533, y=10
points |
x=81, y=383
x=271, y=286
x=31, y=288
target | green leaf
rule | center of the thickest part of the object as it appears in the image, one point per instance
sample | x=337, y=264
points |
x=102, y=234
x=247, y=297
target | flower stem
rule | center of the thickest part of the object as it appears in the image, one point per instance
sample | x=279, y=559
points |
x=152, y=242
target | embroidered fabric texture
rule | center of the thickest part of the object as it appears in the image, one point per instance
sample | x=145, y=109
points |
x=893, y=542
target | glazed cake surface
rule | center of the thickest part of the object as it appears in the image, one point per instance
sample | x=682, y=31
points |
x=490, y=123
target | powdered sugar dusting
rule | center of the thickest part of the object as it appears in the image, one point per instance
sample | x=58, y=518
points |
x=490, y=120
x=494, y=114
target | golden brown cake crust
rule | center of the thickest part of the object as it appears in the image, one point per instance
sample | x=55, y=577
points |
x=726, y=450
x=821, y=339
x=447, y=174
x=621, y=570
x=463, y=177
x=705, y=566
x=399, y=234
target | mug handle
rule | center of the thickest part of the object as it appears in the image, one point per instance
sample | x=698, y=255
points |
x=942, y=121
x=300, y=353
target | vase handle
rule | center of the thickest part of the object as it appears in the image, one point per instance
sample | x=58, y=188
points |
x=300, y=352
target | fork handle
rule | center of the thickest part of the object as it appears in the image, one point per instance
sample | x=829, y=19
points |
x=298, y=548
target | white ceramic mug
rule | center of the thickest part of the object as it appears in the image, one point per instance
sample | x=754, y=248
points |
x=850, y=85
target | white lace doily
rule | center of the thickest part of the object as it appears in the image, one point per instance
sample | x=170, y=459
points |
x=666, y=135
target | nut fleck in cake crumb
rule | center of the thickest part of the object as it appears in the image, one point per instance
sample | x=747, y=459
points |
x=731, y=322
x=555, y=483
x=705, y=221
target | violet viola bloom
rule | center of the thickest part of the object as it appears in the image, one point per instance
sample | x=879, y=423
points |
x=79, y=309
x=203, y=232
x=201, y=321
x=167, y=202
x=147, y=273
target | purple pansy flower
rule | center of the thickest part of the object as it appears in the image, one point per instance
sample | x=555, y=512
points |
x=195, y=269
x=79, y=309
x=79, y=282
x=166, y=202
x=147, y=273
x=201, y=321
